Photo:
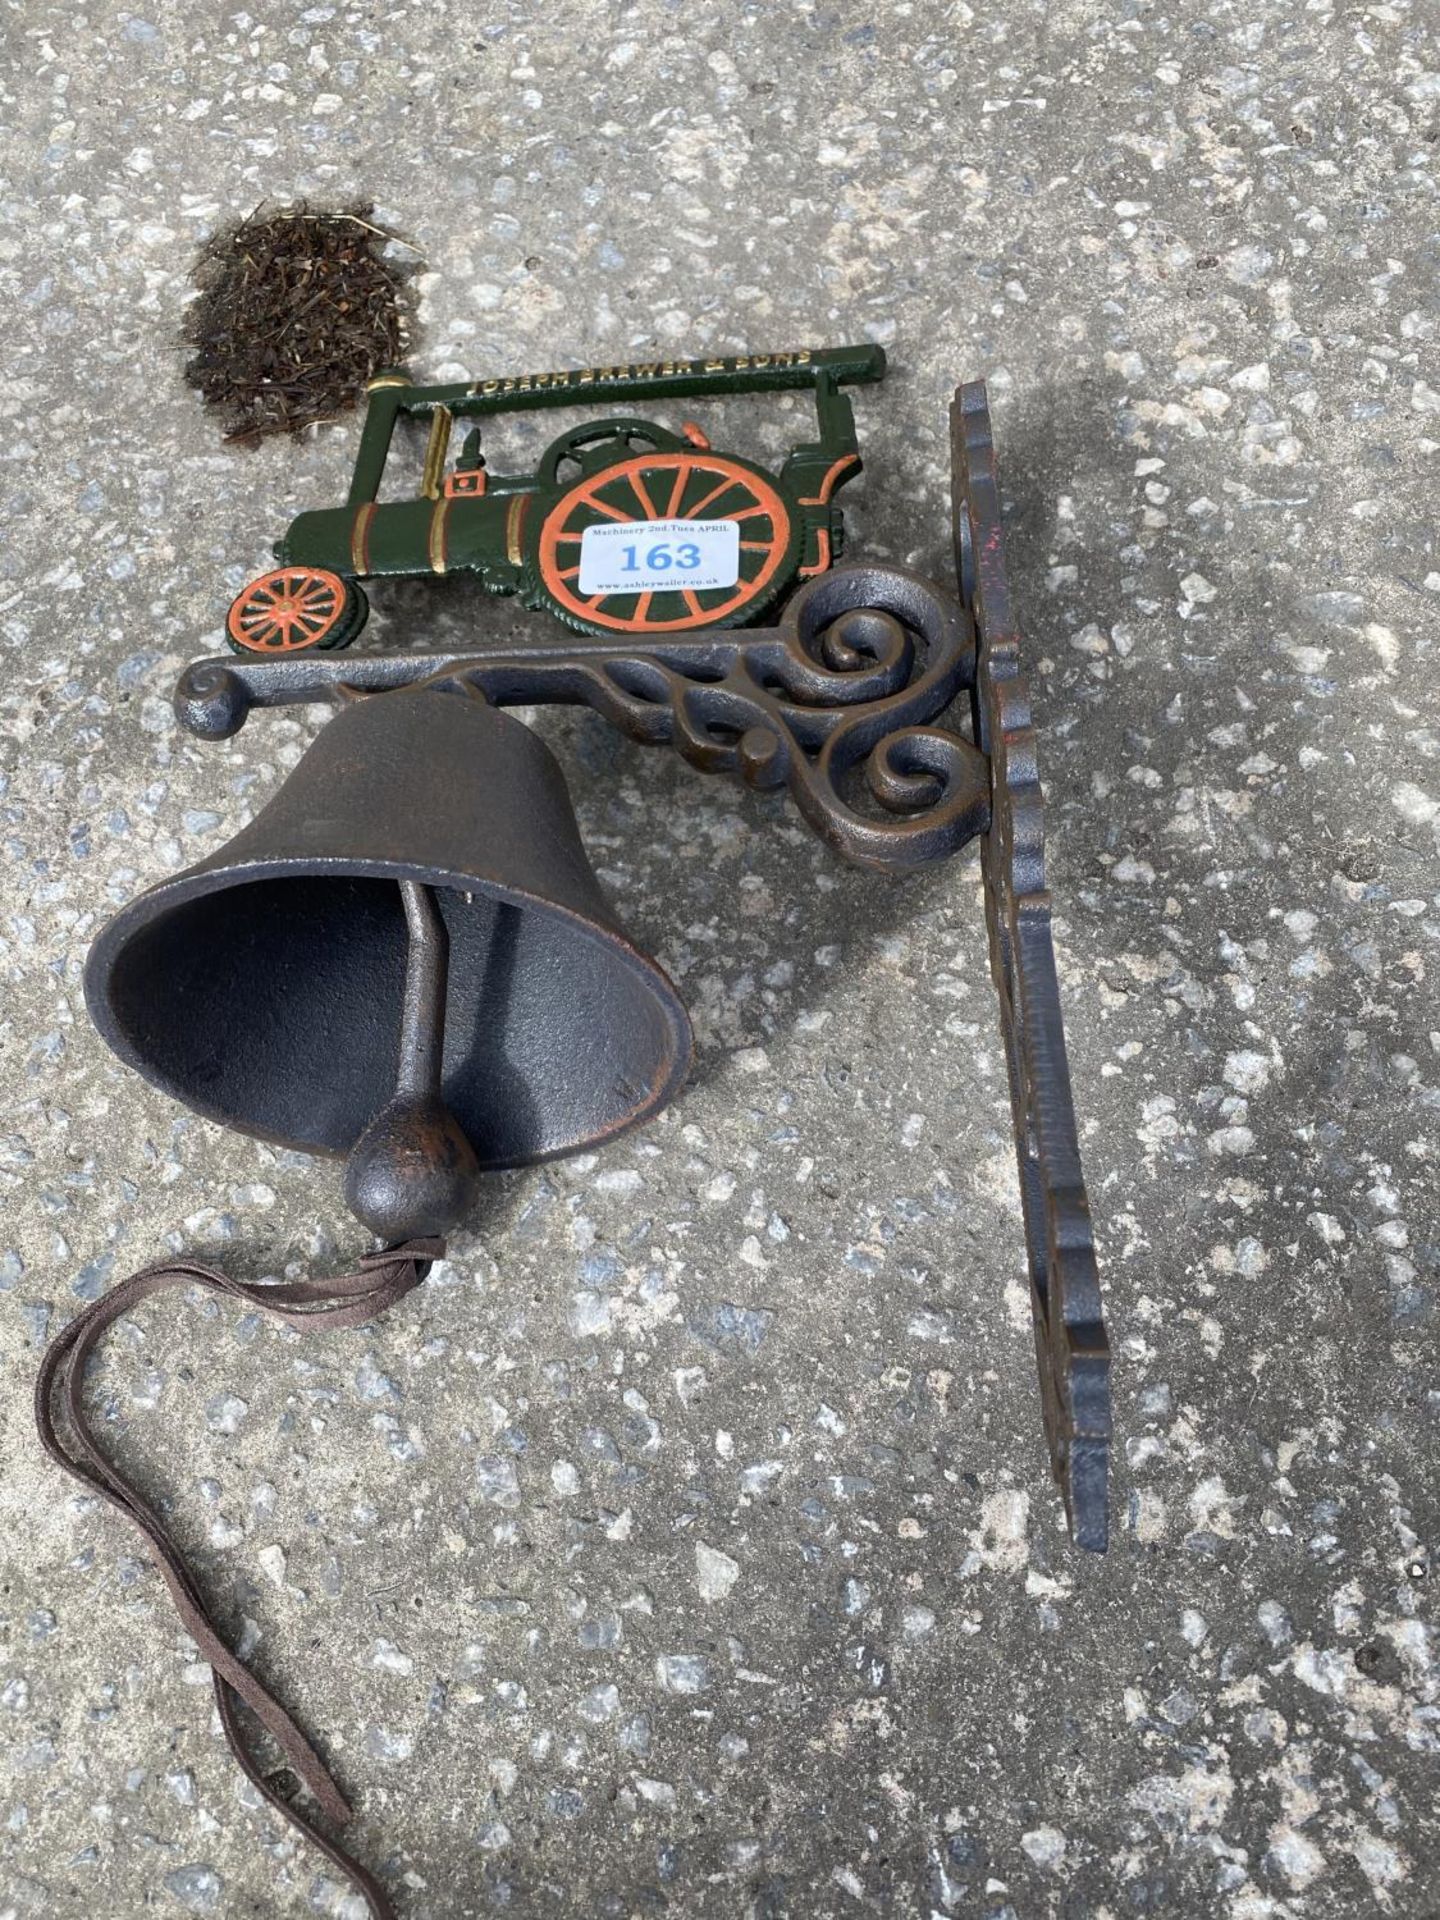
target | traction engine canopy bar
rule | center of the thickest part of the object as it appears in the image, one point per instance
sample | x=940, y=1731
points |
x=392, y=392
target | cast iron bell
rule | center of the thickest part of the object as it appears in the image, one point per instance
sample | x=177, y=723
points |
x=405, y=958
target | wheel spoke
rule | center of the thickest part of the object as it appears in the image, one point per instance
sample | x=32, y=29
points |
x=603, y=506
x=642, y=608
x=677, y=492
x=638, y=488
x=697, y=511
x=692, y=601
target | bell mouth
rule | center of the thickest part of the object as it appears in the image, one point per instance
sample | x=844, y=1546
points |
x=270, y=1002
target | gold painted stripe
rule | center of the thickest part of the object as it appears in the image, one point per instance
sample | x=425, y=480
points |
x=435, y=451
x=388, y=380
x=360, y=537
x=437, y=535
x=514, y=520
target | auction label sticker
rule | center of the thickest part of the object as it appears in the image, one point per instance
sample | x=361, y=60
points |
x=649, y=556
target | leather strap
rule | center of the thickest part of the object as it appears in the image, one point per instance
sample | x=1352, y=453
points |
x=310, y=1306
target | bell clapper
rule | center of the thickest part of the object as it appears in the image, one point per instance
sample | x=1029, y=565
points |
x=413, y=1172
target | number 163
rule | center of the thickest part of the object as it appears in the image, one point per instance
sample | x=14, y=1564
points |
x=662, y=557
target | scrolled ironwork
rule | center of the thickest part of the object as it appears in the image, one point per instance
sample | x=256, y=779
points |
x=838, y=702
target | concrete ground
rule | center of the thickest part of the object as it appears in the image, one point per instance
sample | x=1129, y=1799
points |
x=686, y=1545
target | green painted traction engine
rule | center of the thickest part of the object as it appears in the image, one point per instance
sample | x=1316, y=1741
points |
x=745, y=535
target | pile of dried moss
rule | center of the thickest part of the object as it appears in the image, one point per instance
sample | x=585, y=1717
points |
x=298, y=308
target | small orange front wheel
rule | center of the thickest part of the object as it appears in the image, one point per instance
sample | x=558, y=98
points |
x=294, y=609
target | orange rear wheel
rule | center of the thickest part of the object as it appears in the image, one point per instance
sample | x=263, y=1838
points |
x=294, y=609
x=688, y=484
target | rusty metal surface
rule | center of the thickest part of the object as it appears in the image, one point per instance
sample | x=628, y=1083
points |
x=264, y=987
x=836, y=702
x=1070, y=1340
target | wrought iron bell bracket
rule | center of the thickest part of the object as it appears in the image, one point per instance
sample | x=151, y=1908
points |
x=847, y=688
x=849, y=682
